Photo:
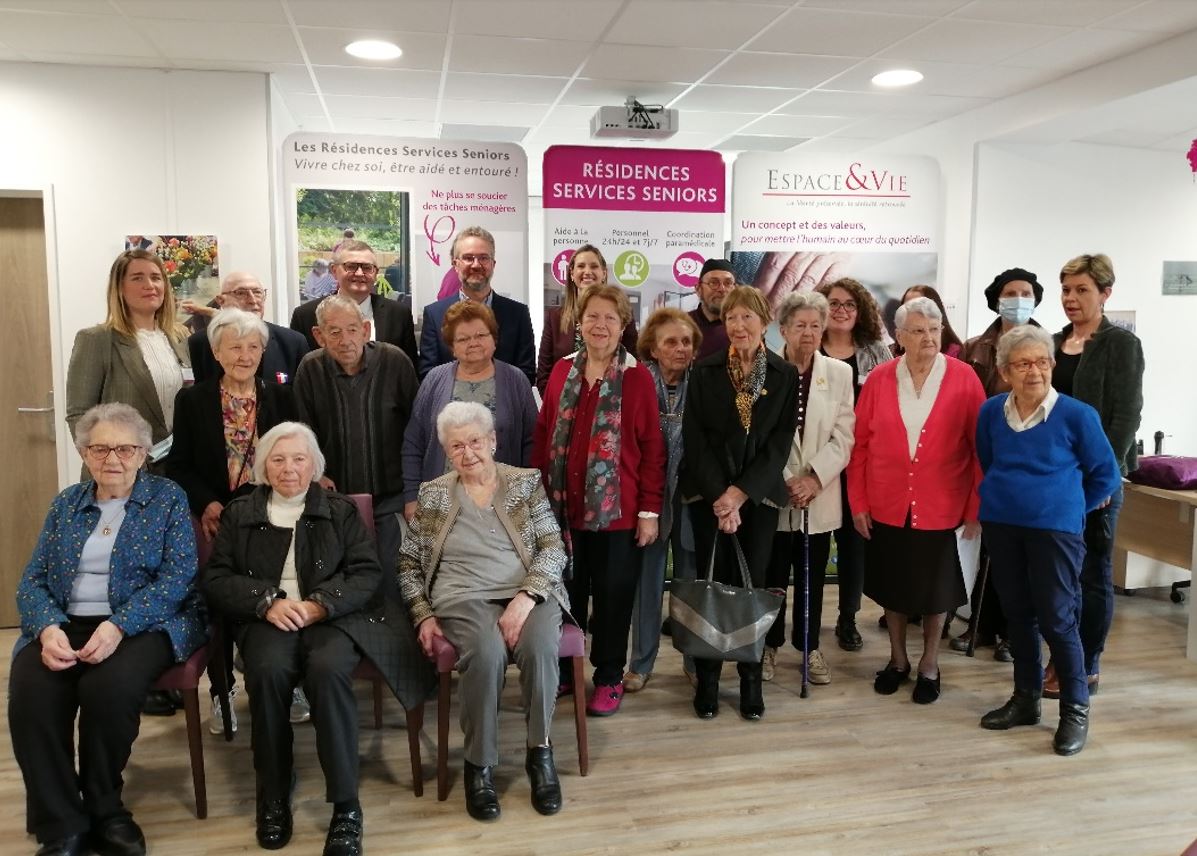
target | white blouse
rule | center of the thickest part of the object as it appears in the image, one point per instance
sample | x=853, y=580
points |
x=163, y=363
x=915, y=407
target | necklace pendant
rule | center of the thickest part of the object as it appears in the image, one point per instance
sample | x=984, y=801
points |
x=106, y=531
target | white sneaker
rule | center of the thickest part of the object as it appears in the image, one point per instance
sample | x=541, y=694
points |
x=301, y=711
x=820, y=672
x=768, y=663
x=216, y=723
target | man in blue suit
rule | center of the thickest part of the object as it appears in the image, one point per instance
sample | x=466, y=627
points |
x=473, y=253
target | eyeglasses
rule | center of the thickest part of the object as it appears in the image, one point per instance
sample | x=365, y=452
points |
x=848, y=306
x=247, y=293
x=474, y=444
x=480, y=258
x=353, y=267
x=466, y=340
x=920, y=332
x=719, y=283
x=1024, y=366
x=100, y=453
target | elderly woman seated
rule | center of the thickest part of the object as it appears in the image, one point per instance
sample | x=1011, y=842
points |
x=107, y=603
x=296, y=570
x=482, y=568
x=1047, y=464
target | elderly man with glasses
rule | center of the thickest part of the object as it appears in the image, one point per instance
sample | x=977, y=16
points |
x=715, y=282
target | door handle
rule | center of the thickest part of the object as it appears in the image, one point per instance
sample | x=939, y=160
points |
x=35, y=410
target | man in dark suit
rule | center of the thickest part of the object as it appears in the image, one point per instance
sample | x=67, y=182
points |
x=284, y=349
x=355, y=269
x=473, y=253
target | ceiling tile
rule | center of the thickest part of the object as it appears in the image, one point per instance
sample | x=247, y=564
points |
x=94, y=59
x=1158, y=16
x=713, y=123
x=216, y=41
x=486, y=113
x=971, y=42
x=755, y=143
x=97, y=35
x=640, y=62
x=797, y=126
x=569, y=116
x=378, y=107
x=606, y=92
x=940, y=78
x=884, y=127
x=927, y=8
x=326, y=46
x=385, y=128
x=1065, y=13
x=735, y=99
x=292, y=78
x=303, y=104
x=76, y=6
x=577, y=20
x=490, y=133
x=424, y=16
x=690, y=23
x=515, y=56
x=375, y=81
x=238, y=11
x=504, y=87
x=835, y=144
x=819, y=102
x=1081, y=49
x=836, y=33
x=769, y=69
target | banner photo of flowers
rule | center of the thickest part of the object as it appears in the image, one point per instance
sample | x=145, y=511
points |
x=192, y=264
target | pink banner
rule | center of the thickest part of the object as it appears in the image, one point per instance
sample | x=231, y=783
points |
x=614, y=179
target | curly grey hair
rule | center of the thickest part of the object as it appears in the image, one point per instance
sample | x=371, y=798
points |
x=115, y=414
x=459, y=414
x=798, y=301
x=924, y=306
x=282, y=431
x=1023, y=336
x=237, y=323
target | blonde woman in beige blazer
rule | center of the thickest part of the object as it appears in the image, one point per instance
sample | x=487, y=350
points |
x=138, y=356
x=818, y=455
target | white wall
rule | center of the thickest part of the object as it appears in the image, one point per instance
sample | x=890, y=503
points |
x=1038, y=206
x=134, y=151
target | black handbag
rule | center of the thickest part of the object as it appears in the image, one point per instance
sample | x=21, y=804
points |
x=716, y=621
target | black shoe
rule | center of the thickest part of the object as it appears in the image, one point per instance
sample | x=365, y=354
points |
x=960, y=643
x=72, y=845
x=1001, y=652
x=926, y=690
x=274, y=823
x=1021, y=709
x=118, y=836
x=667, y=627
x=847, y=634
x=1072, y=730
x=706, y=693
x=482, y=800
x=344, y=833
x=890, y=678
x=752, y=700
x=542, y=774
x=158, y=703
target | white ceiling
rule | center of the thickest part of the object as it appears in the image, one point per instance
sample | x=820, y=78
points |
x=745, y=74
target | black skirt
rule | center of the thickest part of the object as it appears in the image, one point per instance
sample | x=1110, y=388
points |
x=913, y=571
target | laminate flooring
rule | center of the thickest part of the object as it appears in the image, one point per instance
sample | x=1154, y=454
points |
x=842, y=772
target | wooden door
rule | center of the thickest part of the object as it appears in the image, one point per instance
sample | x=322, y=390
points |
x=27, y=417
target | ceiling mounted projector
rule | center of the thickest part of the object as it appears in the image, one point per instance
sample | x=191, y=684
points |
x=634, y=121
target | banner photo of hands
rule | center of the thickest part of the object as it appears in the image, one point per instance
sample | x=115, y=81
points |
x=655, y=214
x=407, y=199
x=799, y=221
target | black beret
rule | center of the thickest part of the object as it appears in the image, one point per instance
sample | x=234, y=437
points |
x=716, y=264
x=999, y=282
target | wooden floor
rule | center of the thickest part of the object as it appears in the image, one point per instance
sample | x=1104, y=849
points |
x=842, y=772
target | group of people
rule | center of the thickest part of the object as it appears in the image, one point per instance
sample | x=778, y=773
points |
x=493, y=522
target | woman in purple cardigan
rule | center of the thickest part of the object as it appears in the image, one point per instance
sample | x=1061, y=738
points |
x=470, y=331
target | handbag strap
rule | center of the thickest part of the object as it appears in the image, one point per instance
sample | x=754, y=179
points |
x=740, y=560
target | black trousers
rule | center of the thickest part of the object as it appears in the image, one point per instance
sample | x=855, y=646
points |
x=758, y=525
x=850, y=562
x=607, y=569
x=323, y=658
x=42, y=705
x=788, y=552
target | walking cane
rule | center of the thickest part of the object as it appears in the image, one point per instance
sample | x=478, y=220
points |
x=974, y=620
x=805, y=602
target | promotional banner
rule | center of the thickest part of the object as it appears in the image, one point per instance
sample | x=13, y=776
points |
x=407, y=198
x=656, y=215
x=799, y=220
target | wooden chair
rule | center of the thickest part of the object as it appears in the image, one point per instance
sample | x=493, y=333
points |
x=573, y=646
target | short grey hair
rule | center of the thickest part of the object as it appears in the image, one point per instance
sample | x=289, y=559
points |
x=114, y=413
x=1022, y=336
x=238, y=323
x=337, y=301
x=459, y=414
x=798, y=301
x=924, y=306
x=471, y=232
x=280, y=432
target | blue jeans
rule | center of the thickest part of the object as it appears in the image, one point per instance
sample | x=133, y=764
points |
x=1097, y=580
x=646, y=613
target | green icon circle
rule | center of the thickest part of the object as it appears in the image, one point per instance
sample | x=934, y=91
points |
x=631, y=268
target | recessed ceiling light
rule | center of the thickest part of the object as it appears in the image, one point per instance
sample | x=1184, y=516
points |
x=373, y=49
x=897, y=77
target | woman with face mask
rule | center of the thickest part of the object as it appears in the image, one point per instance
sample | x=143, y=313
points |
x=1013, y=295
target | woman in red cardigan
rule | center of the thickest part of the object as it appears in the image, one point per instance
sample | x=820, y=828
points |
x=598, y=443
x=912, y=481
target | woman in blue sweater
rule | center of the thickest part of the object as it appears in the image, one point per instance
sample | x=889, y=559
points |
x=1047, y=463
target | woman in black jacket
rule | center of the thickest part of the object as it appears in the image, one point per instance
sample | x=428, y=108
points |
x=296, y=571
x=1101, y=365
x=737, y=429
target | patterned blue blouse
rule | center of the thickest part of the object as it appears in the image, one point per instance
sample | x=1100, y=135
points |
x=151, y=582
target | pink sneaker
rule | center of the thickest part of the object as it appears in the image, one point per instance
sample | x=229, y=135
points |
x=605, y=699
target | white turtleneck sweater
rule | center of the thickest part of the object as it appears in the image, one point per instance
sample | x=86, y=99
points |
x=284, y=513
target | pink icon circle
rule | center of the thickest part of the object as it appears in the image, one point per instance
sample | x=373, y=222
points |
x=561, y=266
x=687, y=267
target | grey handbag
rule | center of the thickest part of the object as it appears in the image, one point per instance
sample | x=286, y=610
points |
x=715, y=621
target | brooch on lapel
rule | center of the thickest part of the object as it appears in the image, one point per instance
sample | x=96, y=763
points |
x=820, y=382
x=764, y=391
